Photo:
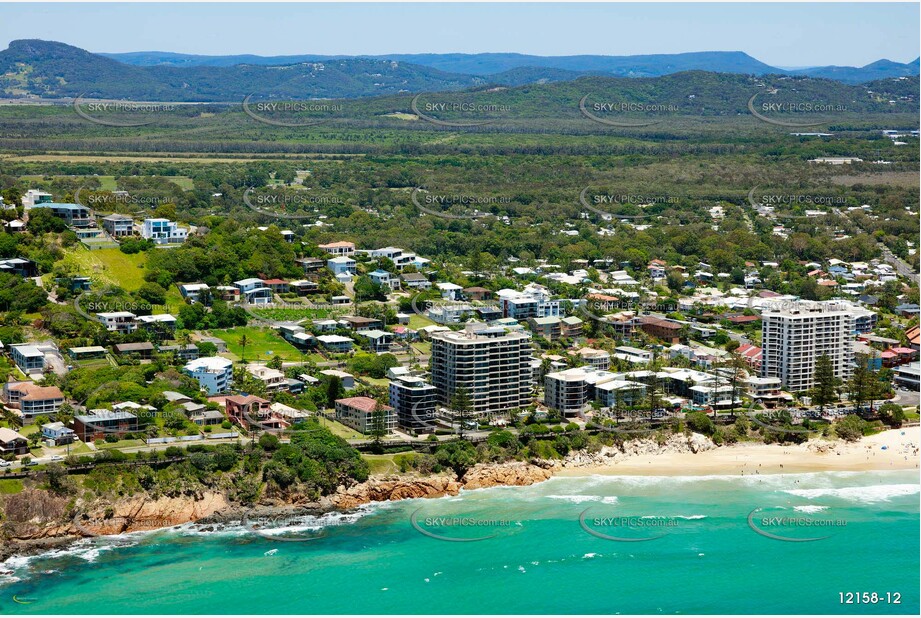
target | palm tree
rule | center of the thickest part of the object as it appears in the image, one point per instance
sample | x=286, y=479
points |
x=244, y=341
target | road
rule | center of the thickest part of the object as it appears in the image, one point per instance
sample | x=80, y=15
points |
x=900, y=265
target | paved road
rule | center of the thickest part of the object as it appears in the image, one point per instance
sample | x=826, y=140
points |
x=900, y=265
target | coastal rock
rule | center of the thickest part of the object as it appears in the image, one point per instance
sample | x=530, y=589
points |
x=508, y=474
x=380, y=490
x=639, y=447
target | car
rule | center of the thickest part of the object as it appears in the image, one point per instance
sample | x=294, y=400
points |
x=30, y=463
x=55, y=458
x=4, y=463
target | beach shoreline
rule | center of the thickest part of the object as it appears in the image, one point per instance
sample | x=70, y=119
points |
x=894, y=449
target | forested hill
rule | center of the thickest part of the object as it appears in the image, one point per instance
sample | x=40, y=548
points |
x=56, y=70
x=496, y=64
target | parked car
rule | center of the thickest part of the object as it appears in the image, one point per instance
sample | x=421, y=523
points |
x=4, y=463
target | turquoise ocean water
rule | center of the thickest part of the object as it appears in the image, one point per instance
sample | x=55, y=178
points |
x=534, y=557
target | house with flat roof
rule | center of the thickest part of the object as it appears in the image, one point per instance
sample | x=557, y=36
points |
x=74, y=215
x=213, y=373
x=163, y=231
x=342, y=265
x=19, y=266
x=193, y=291
x=98, y=424
x=416, y=281
x=28, y=358
x=118, y=226
x=123, y=322
x=384, y=279
x=336, y=343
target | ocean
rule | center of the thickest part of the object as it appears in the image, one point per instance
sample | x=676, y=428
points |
x=772, y=544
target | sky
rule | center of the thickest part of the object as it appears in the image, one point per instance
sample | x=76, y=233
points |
x=782, y=35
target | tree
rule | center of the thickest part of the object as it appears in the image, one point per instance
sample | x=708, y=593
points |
x=850, y=428
x=825, y=390
x=378, y=427
x=244, y=341
x=892, y=414
x=460, y=406
x=334, y=391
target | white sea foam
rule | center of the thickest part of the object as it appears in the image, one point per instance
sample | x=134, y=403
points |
x=877, y=493
x=810, y=508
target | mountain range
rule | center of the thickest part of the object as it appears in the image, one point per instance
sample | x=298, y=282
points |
x=489, y=64
x=47, y=69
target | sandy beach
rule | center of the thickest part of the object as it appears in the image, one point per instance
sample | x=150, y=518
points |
x=896, y=449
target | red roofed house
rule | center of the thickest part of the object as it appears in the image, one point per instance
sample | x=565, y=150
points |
x=250, y=411
x=914, y=337
x=899, y=356
x=359, y=414
x=278, y=286
x=751, y=354
x=339, y=248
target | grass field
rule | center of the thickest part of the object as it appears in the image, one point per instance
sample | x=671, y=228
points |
x=263, y=344
x=384, y=464
x=10, y=486
x=110, y=266
x=417, y=321
x=341, y=430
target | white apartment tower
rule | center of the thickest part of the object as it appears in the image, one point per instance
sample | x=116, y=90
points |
x=795, y=336
x=491, y=364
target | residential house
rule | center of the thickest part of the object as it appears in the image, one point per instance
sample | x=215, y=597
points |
x=28, y=357
x=347, y=379
x=339, y=248
x=74, y=215
x=12, y=443
x=57, y=433
x=163, y=231
x=142, y=350
x=416, y=281
x=123, y=322
x=213, y=373
x=249, y=411
x=118, y=226
x=273, y=379
x=365, y=415
x=336, y=343
x=192, y=292
x=98, y=424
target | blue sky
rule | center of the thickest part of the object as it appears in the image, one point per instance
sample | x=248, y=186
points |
x=786, y=35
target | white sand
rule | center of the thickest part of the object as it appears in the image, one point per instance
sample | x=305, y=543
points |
x=901, y=453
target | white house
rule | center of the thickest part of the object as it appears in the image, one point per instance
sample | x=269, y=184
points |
x=214, y=373
x=163, y=231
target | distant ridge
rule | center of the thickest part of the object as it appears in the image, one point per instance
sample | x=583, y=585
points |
x=491, y=64
x=47, y=69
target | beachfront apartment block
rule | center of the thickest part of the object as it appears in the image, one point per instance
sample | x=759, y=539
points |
x=213, y=373
x=794, y=337
x=491, y=365
x=163, y=231
x=413, y=401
